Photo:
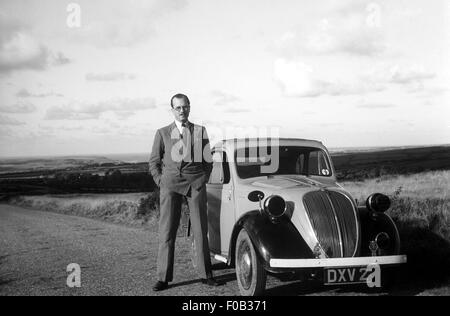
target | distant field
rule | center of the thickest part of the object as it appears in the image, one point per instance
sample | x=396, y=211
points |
x=83, y=174
x=52, y=163
x=374, y=164
x=346, y=160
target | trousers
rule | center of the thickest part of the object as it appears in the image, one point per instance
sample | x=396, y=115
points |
x=169, y=220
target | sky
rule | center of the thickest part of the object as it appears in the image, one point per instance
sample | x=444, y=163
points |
x=96, y=76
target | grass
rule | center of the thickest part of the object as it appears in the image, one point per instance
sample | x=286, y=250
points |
x=116, y=208
x=421, y=210
x=136, y=209
x=422, y=199
x=432, y=185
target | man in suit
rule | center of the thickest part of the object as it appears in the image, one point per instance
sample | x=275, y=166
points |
x=181, y=164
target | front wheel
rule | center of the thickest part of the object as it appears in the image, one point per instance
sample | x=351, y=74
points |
x=250, y=272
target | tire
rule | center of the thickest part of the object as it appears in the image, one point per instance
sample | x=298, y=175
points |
x=250, y=272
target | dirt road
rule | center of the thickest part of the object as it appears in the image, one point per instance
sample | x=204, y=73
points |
x=36, y=248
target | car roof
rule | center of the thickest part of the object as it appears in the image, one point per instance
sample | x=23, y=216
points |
x=235, y=143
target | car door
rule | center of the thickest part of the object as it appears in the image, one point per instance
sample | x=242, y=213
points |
x=221, y=215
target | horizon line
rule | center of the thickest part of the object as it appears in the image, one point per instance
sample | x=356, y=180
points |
x=105, y=155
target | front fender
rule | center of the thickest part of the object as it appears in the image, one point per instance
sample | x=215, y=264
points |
x=272, y=240
x=373, y=223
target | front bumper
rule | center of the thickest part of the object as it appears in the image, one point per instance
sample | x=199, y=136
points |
x=337, y=262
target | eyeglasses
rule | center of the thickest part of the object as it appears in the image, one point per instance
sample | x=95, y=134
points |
x=180, y=108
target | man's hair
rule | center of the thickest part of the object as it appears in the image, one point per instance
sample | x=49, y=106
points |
x=180, y=96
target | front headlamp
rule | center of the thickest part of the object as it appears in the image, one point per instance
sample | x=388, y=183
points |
x=275, y=206
x=378, y=202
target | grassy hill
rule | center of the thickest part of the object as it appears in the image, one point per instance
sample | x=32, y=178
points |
x=372, y=164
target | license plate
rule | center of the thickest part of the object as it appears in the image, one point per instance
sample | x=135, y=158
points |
x=351, y=275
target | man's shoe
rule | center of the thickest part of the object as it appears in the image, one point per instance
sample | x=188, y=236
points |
x=211, y=282
x=160, y=286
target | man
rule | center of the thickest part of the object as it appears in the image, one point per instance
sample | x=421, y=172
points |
x=180, y=164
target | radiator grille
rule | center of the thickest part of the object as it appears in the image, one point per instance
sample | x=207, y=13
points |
x=334, y=221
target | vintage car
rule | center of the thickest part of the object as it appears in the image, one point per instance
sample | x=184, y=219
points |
x=275, y=206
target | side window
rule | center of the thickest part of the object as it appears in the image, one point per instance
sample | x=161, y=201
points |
x=221, y=170
x=318, y=164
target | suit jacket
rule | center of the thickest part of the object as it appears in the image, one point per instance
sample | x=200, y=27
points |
x=179, y=172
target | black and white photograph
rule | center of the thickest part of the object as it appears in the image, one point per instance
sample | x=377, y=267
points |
x=210, y=150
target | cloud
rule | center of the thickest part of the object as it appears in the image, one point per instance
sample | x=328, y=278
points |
x=297, y=79
x=376, y=106
x=115, y=28
x=100, y=130
x=5, y=132
x=413, y=77
x=69, y=113
x=19, y=50
x=114, y=125
x=71, y=128
x=6, y=120
x=20, y=107
x=112, y=76
x=119, y=106
x=399, y=74
x=223, y=98
x=354, y=29
x=46, y=128
x=236, y=110
x=123, y=105
x=24, y=93
x=351, y=30
x=124, y=115
x=59, y=59
x=413, y=74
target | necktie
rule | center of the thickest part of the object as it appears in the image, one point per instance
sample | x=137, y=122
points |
x=183, y=128
x=184, y=150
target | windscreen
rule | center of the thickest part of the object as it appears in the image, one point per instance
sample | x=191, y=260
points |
x=282, y=160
